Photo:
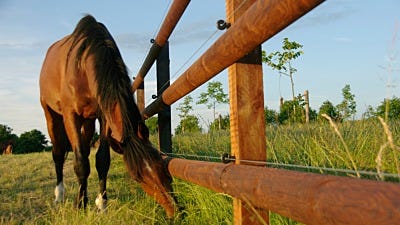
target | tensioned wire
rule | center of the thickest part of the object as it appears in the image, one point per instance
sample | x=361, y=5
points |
x=286, y=165
x=262, y=163
x=196, y=50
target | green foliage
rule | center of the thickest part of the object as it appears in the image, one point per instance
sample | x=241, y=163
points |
x=220, y=123
x=282, y=61
x=6, y=136
x=294, y=112
x=391, y=107
x=190, y=124
x=347, y=108
x=271, y=116
x=329, y=109
x=5, y=133
x=185, y=107
x=291, y=112
x=31, y=141
x=214, y=94
x=152, y=124
x=369, y=113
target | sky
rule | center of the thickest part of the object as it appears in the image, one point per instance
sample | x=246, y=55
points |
x=355, y=42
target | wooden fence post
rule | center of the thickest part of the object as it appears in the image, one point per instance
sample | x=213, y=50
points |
x=246, y=114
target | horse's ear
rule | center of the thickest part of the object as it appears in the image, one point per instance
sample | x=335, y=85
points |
x=115, y=123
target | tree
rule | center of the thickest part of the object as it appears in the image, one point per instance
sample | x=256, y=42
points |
x=370, y=112
x=294, y=111
x=152, y=124
x=288, y=114
x=329, y=109
x=188, y=123
x=389, y=107
x=221, y=123
x=282, y=61
x=185, y=107
x=6, y=137
x=215, y=94
x=270, y=116
x=347, y=108
x=31, y=141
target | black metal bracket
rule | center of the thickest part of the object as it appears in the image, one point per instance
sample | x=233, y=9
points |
x=227, y=158
x=222, y=25
x=253, y=57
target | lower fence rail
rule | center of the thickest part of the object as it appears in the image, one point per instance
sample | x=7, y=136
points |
x=305, y=197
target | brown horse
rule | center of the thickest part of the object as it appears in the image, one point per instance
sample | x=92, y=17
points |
x=84, y=78
x=8, y=150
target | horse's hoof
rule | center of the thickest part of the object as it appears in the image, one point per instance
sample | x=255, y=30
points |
x=59, y=193
x=101, y=203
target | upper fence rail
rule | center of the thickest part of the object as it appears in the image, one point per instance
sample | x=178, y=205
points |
x=306, y=197
x=261, y=21
x=172, y=18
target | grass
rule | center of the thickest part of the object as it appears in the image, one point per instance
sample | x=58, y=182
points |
x=27, y=185
x=27, y=181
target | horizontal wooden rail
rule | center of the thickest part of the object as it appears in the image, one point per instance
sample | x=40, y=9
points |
x=261, y=21
x=305, y=197
x=175, y=12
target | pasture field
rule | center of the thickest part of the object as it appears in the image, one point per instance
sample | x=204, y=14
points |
x=27, y=181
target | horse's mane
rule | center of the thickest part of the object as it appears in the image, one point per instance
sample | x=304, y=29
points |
x=113, y=83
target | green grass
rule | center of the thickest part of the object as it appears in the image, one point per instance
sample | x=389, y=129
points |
x=27, y=181
x=27, y=185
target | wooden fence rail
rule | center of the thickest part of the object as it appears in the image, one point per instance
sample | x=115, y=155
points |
x=260, y=22
x=305, y=197
x=175, y=12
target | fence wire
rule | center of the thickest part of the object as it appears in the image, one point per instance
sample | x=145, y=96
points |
x=304, y=168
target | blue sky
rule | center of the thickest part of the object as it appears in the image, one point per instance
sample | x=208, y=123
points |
x=345, y=42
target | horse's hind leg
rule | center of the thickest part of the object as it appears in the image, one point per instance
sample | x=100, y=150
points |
x=61, y=145
x=79, y=132
x=102, y=167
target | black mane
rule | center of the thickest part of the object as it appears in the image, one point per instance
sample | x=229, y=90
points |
x=111, y=72
x=113, y=85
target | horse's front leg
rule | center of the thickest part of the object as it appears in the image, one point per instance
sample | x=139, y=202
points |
x=102, y=167
x=75, y=127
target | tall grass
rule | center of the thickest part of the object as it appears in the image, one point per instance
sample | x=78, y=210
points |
x=355, y=146
x=27, y=181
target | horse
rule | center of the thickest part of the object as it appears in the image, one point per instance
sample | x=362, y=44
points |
x=84, y=79
x=8, y=150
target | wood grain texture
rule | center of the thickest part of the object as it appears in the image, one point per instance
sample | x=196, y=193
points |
x=246, y=98
x=172, y=18
x=259, y=23
x=305, y=197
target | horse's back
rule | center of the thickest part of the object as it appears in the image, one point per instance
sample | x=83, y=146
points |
x=52, y=75
x=65, y=86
